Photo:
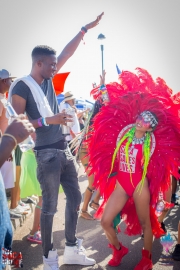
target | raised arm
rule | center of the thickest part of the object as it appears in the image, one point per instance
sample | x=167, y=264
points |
x=71, y=47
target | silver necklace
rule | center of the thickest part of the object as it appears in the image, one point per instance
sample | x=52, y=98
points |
x=138, y=141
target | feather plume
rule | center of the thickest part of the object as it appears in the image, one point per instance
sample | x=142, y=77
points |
x=134, y=94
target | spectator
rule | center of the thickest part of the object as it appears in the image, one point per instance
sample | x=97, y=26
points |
x=69, y=103
x=29, y=186
x=8, y=169
x=34, y=94
x=15, y=133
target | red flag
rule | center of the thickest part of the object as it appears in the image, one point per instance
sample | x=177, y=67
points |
x=59, y=81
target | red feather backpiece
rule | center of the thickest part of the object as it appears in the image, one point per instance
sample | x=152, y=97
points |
x=135, y=94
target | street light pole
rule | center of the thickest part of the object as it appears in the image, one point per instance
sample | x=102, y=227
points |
x=102, y=56
x=101, y=37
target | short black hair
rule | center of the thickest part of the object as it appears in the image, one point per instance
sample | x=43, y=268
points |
x=42, y=50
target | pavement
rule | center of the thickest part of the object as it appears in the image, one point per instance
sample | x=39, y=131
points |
x=95, y=241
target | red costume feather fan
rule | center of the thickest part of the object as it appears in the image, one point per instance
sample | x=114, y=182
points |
x=135, y=94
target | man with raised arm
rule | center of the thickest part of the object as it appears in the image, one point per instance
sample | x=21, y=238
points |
x=34, y=94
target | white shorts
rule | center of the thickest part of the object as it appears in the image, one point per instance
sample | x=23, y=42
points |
x=8, y=174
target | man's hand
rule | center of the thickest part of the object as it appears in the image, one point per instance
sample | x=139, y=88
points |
x=20, y=128
x=80, y=113
x=94, y=23
x=60, y=118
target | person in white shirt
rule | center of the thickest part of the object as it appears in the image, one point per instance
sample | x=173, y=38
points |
x=8, y=168
x=66, y=104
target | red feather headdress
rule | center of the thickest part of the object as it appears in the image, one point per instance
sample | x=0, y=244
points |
x=134, y=94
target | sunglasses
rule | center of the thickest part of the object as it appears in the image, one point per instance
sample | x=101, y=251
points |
x=145, y=123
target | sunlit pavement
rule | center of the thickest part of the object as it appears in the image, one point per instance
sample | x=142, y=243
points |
x=95, y=241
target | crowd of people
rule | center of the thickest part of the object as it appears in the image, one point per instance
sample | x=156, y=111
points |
x=129, y=156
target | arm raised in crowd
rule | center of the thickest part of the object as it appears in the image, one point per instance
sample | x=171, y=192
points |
x=16, y=132
x=38, y=66
x=71, y=47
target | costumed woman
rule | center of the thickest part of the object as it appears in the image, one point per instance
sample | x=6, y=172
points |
x=79, y=144
x=84, y=157
x=134, y=147
x=93, y=203
x=29, y=186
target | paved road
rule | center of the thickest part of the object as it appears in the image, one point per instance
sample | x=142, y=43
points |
x=94, y=241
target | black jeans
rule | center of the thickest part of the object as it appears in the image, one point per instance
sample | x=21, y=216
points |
x=55, y=168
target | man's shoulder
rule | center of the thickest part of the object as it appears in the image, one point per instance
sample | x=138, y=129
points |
x=21, y=89
x=21, y=85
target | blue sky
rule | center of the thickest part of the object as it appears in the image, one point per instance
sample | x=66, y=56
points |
x=139, y=33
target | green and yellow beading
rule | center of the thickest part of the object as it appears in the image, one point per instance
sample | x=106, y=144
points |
x=146, y=154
